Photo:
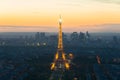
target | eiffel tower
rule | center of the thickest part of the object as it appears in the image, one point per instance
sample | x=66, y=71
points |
x=60, y=63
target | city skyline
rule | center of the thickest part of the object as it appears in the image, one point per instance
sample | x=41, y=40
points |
x=78, y=15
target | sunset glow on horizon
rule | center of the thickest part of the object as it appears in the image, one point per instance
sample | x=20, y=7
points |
x=46, y=13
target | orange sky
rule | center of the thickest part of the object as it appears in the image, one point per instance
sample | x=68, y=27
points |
x=46, y=13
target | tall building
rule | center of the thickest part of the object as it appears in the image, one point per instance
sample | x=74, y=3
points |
x=87, y=35
x=115, y=40
x=42, y=34
x=74, y=36
x=53, y=40
x=37, y=36
x=60, y=63
x=82, y=36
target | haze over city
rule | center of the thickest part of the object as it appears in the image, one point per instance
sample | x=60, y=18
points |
x=59, y=39
x=42, y=15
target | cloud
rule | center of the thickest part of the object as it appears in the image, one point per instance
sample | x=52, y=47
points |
x=109, y=1
x=5, y=28
x=83, y=28
x=108, y=27
x=10, y=26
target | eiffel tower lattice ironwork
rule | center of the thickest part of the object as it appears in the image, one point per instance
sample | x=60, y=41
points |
x=60, y=63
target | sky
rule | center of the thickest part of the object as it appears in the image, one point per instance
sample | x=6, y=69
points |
x=43, y=15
